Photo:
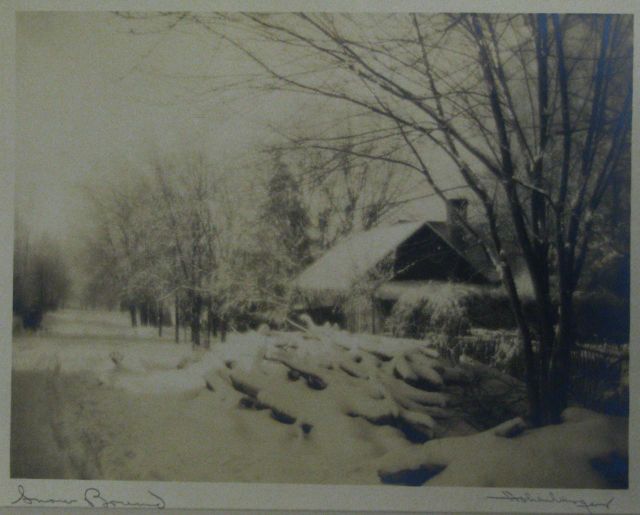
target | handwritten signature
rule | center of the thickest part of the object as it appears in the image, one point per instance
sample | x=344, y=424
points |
x=93, y=498
x=551, y=498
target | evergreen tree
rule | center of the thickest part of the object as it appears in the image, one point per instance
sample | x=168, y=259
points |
x=283, y=231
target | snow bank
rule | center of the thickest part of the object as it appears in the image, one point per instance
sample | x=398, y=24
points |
x=323, y=406
x=573, y=454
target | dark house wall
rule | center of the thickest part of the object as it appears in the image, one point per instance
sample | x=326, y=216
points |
x=426, y=256
x=323, y=314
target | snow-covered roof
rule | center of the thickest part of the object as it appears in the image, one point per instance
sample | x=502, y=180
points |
x=350, y=259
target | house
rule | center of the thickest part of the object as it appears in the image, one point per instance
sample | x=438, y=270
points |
x=356, y=283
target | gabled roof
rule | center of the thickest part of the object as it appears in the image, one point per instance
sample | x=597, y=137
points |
x=341, y=266
x=473, y=253
x=350, y=259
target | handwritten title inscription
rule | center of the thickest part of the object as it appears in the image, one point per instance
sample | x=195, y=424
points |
x=552, y=498
x=92, y=498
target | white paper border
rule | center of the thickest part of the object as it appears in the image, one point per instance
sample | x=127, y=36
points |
x=251, y=496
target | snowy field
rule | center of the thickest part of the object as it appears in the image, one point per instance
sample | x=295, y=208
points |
x=96, y=399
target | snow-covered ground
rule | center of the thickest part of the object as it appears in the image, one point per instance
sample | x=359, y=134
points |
x=94, y=398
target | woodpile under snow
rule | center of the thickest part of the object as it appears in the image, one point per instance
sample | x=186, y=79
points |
x=385, y=381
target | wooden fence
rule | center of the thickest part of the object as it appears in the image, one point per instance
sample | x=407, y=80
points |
x=599, y=372
x=600, y=379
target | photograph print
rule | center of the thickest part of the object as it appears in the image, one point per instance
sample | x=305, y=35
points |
x=385, y=248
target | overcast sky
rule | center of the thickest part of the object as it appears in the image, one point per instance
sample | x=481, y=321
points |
x=84, y=107
x=92, y=96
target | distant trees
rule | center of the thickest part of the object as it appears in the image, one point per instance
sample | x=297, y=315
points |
x=41, y=280
x=181, y=233
x=154, y=238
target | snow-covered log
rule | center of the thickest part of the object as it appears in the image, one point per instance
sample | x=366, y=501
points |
x=401, y=390
x=351, y=370
x=510, y=428
x=257, y=398
x=426, y=371
x=313, y=380
x=402, y=369
x=413, y=430
x=242, y=384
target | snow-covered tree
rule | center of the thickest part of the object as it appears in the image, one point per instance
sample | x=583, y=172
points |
x=154, y=239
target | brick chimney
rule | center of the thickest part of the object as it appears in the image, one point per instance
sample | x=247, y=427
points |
x=456, y=214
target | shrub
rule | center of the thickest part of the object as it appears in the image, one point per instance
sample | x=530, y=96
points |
x=452, y=308
x=431, y=309
x=449, y=318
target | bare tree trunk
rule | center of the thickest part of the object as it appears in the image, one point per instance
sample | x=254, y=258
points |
x=209, y=320
x=185, y=335
x=560, y=366
x=132, y=313
x=214, y=324
x=144, y=314
x=160, y=321
x=196, y=309
x=223, y=329
x=177, y=319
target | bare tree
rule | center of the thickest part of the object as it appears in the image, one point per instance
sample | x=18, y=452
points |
x=345, y=192
x=533, y=110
